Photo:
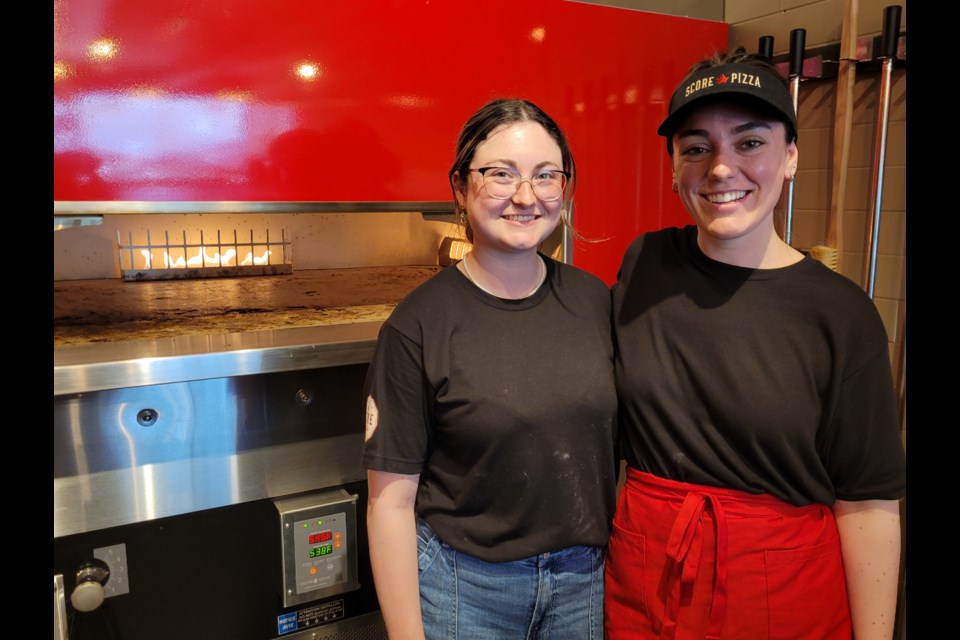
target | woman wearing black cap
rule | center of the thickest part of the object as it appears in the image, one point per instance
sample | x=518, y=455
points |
x=757, y=408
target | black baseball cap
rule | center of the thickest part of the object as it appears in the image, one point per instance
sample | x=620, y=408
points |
x=743, y=81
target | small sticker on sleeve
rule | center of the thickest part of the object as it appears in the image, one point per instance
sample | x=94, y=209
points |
x=373, y=416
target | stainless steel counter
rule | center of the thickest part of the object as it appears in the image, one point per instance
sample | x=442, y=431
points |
x=91, y=367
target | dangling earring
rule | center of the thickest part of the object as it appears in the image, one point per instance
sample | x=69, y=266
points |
x=463, y=215
x=674, y=186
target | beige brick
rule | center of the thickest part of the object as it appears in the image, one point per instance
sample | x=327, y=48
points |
x=888, y=313
x=898, y=95
x=893, y=232
x=866, y=103
x=851, y=266
x=870, y=16
x=887, y=281
x=816, y=149
x=859, y=189
x=894, y=194
x=809, y=228
x=863, y=145
x=894, y=351
x=812, y=189
x=897, y=143
x=736, y=11
x=816, y=96
x=888, y=264
x=795, y=4
x=821, y=20
x=854, y=229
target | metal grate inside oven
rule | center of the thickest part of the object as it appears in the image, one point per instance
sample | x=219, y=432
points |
x=172, y=260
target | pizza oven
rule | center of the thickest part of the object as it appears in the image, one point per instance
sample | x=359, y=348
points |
x=208, y=425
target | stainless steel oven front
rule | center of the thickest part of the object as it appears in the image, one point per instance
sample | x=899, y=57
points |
x=211, y=487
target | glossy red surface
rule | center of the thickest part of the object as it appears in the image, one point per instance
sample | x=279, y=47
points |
x=201, y=101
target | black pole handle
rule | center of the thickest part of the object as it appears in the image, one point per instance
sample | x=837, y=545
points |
x=766, y=47
x=798, y=39
x=891, y=30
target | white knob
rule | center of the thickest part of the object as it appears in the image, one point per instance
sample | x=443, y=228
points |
x=87, y=596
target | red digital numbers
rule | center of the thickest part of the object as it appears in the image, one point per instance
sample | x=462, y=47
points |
x=323, y=536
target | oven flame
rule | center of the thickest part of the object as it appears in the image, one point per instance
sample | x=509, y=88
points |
x=204, y=259
x=166, y=260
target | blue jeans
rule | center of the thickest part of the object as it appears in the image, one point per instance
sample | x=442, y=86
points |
x=551, y=596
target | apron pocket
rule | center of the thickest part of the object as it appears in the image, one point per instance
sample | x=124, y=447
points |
x=806, y=592
x=625, y=585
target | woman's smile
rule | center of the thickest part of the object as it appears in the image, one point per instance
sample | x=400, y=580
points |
x=725, y=197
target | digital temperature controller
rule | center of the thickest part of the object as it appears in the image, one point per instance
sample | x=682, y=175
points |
x=319, y=550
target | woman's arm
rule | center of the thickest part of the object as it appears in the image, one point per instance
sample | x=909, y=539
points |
x=392, y=536
x=870, y=542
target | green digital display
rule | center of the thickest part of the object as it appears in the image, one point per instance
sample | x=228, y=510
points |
x=323, y=550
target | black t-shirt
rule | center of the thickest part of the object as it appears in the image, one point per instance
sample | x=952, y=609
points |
x=764, y=380
x=506, y=409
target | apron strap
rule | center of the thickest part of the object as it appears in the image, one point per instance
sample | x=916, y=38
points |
x=684, y=547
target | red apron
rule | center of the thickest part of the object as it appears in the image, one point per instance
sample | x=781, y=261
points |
x=688, y=562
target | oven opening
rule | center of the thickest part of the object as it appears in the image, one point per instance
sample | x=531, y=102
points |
x=230, y=256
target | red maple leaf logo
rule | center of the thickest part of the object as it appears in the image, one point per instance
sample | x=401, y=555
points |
x=722, y=79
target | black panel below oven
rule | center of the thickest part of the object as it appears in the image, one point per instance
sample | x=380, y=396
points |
x=204, y=575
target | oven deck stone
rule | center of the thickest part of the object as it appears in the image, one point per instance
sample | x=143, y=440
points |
x=114, y=310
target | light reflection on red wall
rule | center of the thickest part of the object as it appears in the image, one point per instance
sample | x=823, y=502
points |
x=201, y=101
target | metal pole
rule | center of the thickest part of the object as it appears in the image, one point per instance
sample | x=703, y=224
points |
x=797, y=43
x=891, y=31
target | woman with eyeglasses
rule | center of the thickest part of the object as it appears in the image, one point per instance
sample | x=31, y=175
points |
x=490, y=417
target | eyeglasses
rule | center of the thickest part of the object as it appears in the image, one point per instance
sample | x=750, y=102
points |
x=501, y=183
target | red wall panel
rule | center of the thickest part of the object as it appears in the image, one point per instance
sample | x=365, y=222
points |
x=200, y=100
